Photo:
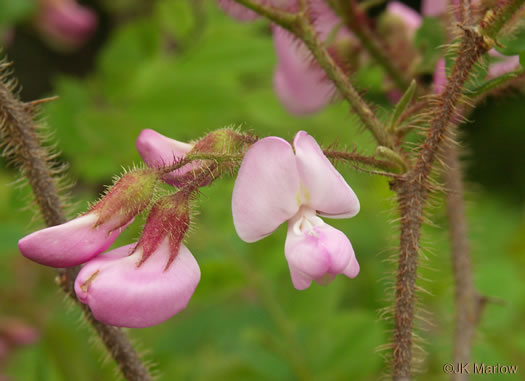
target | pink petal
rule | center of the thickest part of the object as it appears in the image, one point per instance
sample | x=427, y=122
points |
x=326, y=190
x=352, y=269
x=158, y=151
x=71, y=243
x=66, y=23
x=440, y=77
x=300, y=84
x=118, y=293
x=410, y=17
x=504, y=66
x=266, y=189
x=238, y=11
x=434, y=7
x=317, y=255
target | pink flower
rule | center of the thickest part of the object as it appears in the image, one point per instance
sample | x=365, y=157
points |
x=64, y=23
x=506, y=65
x=440, y=77
x=71, y=243
x=434, y=7
x=410, y=17
x=299, y=82
x=120, y=293
x=278, y=183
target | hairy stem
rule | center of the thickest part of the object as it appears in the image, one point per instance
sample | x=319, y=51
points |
x=468, y=306
x=300, y=25
x=357, y=158
x=22, y=146
x=412, y=192
x=342, y=83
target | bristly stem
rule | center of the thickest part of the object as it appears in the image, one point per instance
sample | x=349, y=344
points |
x=300, y=25
x=22, y=146
x=468, y=301
x=413, y=189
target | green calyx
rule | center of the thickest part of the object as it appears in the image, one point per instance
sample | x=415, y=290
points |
x=224, y=141
x=127, y=197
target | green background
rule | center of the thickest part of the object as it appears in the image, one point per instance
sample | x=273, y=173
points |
x=245, y=320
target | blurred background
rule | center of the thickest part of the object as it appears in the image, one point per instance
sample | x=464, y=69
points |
x=184, y=68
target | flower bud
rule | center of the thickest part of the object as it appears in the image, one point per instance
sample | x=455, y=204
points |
x=159, y=151
x=84, y=237
x=121, y=292
x=65, y=24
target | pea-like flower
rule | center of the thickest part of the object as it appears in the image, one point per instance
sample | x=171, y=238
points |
x=278, y=183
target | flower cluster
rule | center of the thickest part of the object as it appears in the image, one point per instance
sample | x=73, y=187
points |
x=146, y=283
x=301, y=84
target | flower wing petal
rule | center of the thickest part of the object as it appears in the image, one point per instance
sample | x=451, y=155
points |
x=266, y=189
x=68, y=244
x=327, y=191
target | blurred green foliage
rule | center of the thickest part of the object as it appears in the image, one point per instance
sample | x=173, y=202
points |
x=245, y=321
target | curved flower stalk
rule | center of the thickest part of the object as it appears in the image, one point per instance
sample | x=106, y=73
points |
x=278, y=183
x=65, y=24
x=79, y=240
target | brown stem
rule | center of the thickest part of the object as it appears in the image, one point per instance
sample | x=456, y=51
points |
x=468, y=306
x=22, y=146
x=355, y=157
x=412, y=192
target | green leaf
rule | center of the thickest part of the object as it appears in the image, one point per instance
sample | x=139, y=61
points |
x=13, y=11
x=402, y=105
x=493, y=83
x=512, y=45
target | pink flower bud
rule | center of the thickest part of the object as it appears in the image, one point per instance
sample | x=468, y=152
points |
x=84, y=237
x=440, y=76
x=64, y=23
x=122, y=293
x=159, y=151
x=434, y=7
x=411, y=19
